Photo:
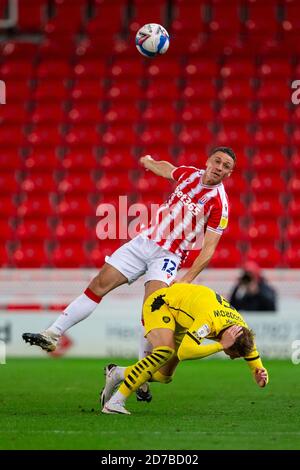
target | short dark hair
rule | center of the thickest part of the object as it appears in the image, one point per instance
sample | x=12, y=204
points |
x=226, y=150
x=244, y=343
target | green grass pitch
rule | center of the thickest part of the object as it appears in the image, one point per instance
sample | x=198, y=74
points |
x=211, y=404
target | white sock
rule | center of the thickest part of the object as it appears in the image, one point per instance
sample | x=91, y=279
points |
x=118, y=397
x=77, y=311
x=120, y=373
x=145, y=347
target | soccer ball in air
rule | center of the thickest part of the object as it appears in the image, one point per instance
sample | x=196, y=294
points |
x=152, y=39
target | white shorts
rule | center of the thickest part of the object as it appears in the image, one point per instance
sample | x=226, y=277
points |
x=140, y=256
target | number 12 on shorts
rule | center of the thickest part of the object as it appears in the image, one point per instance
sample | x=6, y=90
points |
x=169, y=266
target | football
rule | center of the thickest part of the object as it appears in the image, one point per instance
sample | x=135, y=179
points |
x=152, y=39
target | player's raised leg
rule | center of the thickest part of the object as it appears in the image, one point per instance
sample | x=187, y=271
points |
x=106, y=280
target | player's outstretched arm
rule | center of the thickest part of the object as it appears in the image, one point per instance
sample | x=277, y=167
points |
x=160, y=168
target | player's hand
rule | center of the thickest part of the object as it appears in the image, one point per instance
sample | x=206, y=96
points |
x=261, y=377
x=144, y=161
x=230, y=335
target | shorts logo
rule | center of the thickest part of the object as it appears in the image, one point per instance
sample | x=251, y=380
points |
x=166, y=319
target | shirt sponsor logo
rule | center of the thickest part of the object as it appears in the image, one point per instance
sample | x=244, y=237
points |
x=187, y=201
x=224, y=313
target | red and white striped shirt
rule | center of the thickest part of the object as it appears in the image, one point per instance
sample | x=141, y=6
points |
x=180, y=223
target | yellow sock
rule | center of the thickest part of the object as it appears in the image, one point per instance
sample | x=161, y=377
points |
x=144, y=369
x=163, y=379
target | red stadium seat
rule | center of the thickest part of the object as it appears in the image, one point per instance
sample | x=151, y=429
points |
x=72, y=229
x=69, y=255
x=199, y=90
x=275, y=68
x=8, y=183
x=274, y=90
x=82, y=135
x=9, y=161
x=19, y=92
x=78, y=159
x=117, y=159
x=4, y=257
x=85, y=113
x=292, y=232
x=76, y=183
x=119, y=135
x=194, y=135
x=201, y=68
x=236, y=90
x=166, y=68
x=86, y=90
x=90, y=69
x=74, y=206
x=47, y=113
x=33, y=229
x=226, y=256
x=53, y=69
x=234, y=113
x=50, y=90
x=117, y=183
x=269, y=162
x=44, y=135
x=196, y=113
x=269, y=134
x=7, y=207
x=159, y=112
x=259, y=231
x=122, y=114
x=125, y=69
x=294, y=185
x=149, y=183
x=32, y=15
x=30, y=255
x=266, y=256
x=6, y=231
x=38, y=183
x=41, y=159
x=125, y=91
x=293, y=209
x=292, y=256
x=268, y=184
x=238, y=68
x=266, y=208
x=162, y=90
x=112, y=10
x=15, y=113
x=231, y=135
x=20, y=69
x=143, y=11
x=156, y=134
x=35, y=206
x=272, y=114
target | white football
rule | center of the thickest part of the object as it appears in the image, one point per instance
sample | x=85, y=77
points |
x=152, y=39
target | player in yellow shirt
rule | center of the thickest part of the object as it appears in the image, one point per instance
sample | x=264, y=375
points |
x=176, y=320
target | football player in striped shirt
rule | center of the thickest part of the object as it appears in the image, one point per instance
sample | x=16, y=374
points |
x=176, y=320
x=194, y=216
